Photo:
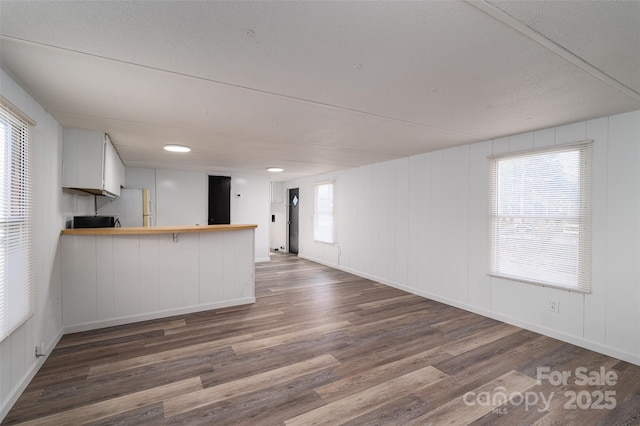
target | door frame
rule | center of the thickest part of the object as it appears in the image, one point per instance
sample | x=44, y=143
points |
x=289, y=219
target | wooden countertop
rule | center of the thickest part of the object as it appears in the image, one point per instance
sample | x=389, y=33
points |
x=140, y=230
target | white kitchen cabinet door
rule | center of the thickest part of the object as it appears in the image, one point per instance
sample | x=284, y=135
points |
x=91, y=163
x=83, y=159
x=112, y=169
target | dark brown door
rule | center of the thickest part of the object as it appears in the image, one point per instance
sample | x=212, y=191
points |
x=219, y=200
x=294, y=202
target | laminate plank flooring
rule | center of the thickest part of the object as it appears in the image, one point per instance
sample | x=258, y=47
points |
x=321, y=346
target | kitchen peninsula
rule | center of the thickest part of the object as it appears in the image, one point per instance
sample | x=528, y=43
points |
x=113, y=276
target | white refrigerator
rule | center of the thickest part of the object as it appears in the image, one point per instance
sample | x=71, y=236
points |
x=133, y=207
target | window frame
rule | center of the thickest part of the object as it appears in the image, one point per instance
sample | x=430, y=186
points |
x=329, y=213
x=584, y=206
x=17, y=302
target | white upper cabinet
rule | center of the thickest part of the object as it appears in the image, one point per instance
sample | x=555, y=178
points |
x=113, y=169
x=90, y=162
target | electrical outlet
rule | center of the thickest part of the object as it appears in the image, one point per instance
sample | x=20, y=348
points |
x=554, y=305
x=40, y=350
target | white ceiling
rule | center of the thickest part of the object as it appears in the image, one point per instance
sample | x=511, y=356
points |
x=318, y=86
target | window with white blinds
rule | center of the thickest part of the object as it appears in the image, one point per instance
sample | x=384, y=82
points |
x=540, y=230
x=16, y=277
x=323, y=213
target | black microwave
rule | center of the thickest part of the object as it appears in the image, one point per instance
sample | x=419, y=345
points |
x=95, y=221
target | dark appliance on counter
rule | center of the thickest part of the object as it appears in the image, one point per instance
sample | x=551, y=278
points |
x=95, y=221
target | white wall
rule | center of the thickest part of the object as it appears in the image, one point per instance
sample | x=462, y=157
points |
x=277, y=229
x=420, y=223
x=252, y=207
x=53, y=209
x=180, y=198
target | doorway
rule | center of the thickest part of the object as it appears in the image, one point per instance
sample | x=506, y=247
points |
x=219, y=200
x=294, y=202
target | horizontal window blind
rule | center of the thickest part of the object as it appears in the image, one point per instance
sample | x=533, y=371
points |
x=323, y=227
x=16, y=276
x=540, y=230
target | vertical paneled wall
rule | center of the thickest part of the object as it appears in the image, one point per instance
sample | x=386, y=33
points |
x=117, y=279
x=621, y=297
x=52, y=209
x=421, y=223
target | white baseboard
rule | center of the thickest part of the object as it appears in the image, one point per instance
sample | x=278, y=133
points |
x=263, y=259
x=75, y=328
x=15, y=393
x=574, y=340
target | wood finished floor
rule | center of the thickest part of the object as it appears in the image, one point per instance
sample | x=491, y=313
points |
x=320, y=346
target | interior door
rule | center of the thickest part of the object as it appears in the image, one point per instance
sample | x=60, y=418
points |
x=219, y=200
x=294, y=202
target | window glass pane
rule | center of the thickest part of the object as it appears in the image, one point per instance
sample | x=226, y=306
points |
x=4, y=139
x=546, y=184
x=323, y=228
x=540, y=223
x=16, y=277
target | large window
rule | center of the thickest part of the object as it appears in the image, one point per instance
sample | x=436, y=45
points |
x=540, y=217
x=323, y=213
x=16, y=278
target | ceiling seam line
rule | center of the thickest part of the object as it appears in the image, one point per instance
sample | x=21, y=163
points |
x=541, y=39
x=251, y=89
x=337, y=148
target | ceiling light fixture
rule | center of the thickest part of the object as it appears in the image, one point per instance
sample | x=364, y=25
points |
x=177, y=148
x=275, y=169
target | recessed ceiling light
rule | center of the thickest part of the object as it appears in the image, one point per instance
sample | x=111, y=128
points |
x=177, y=148
x=275, y=169
x=358, y=67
